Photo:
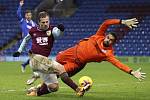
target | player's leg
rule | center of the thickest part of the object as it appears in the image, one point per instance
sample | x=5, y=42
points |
x=34, y=77
x=23, y=65
x=34, y=62
x=66, y=79
x=50, y=85
x=72, y=66
x=43, y=64
x=49, y=66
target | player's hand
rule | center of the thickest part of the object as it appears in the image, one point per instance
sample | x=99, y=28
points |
x=61, y=27
x=21, y=2
x=16, y=54
x=138, y=74
x=130, y=22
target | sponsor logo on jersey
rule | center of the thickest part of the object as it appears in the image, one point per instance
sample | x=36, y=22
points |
x=34, y=34
x=42, y=40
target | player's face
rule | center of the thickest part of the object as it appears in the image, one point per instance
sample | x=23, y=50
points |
x=44, y=23
x=109, y=40
x=28, y=16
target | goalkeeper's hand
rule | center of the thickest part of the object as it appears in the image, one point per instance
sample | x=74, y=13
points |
x=130, y=22
x=16, y=54
x=138, y=74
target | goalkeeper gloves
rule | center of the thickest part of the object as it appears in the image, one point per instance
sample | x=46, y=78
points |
x=16, y=54
x=138, y=74
x=130, y=22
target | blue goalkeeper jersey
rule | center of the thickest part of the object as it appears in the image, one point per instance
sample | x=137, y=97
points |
x=25, y=25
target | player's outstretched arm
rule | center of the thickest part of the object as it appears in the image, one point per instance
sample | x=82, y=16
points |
x=24, y=42
x=138, y=74
x=19, y=10
x=130, y=22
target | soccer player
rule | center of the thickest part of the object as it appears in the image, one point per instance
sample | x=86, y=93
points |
x=25, y=24
x=97, y=48
x=43, y=37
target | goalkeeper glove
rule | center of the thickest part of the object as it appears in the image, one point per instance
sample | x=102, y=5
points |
x=130, y=22
x=16, y=54
x=61, y=27
x=138, y=74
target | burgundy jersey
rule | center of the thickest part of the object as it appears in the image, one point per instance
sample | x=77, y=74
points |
x=42, y=41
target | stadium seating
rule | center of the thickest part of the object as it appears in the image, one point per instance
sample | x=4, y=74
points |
x=86, y=20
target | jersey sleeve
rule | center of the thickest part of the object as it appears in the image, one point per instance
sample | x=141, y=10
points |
x=118, y=64
x=19, y=14
x=102, y=29
x=24, y=42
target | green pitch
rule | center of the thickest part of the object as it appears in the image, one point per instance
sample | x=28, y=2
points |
x=109, y=83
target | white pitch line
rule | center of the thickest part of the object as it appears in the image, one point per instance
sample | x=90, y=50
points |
x=64, y=87
x=11, y=90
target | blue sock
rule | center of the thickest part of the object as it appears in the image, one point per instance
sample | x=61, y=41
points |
x=25, y=63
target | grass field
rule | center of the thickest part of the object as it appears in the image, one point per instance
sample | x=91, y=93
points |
x=109, y=84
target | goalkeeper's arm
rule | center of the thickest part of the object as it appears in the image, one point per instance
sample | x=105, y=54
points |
x=137, y=74
x=24, y=42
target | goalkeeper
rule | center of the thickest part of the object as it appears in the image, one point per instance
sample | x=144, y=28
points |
x=97, y=48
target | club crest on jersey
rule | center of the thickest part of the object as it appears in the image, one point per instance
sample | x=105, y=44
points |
x=34, y=34
x=48, y=33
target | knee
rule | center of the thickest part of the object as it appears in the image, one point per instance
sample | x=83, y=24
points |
x=53, y=87
x=57, y=58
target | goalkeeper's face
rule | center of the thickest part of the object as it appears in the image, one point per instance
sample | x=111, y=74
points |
x=109, y=40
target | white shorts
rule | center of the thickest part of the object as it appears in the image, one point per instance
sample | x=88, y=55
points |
x=44, y=65
x=46, y=68
x=48, y=78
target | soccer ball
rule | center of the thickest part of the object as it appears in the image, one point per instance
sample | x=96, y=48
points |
x=84, y=80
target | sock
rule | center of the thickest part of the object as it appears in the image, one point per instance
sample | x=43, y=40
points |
x=43, y=90
x=26, y=63
x=67, y=80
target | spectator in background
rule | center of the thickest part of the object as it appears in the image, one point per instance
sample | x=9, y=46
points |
x=26, y=24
